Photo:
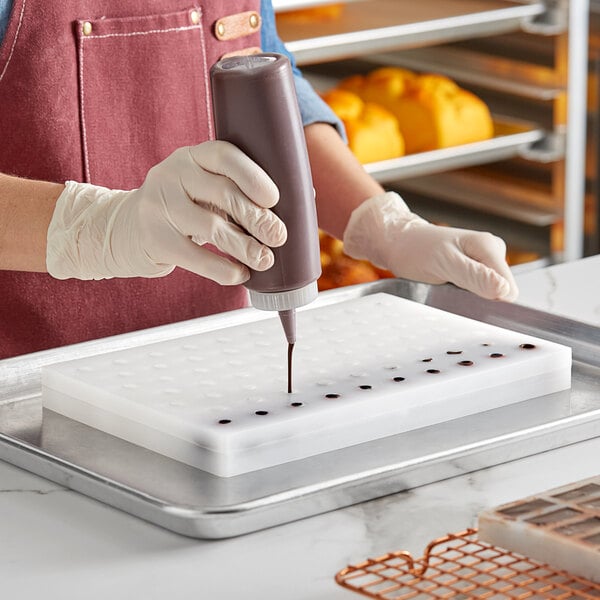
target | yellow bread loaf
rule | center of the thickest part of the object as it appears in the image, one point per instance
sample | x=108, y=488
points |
x=388, y=82
x=432, y=111
x=373, y=132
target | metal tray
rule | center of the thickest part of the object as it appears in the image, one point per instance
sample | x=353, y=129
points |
x=367, y=26
x=511, y=138
x=194, y=503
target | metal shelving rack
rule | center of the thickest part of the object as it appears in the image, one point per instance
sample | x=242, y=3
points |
x=420, y=35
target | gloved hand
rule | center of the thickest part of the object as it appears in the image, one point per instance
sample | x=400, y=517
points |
x=185, y=201
x=384, y=231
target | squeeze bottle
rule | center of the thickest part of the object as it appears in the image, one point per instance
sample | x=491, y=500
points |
x=255, y=108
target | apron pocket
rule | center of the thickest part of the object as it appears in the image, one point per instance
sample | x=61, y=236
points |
x=143, y=92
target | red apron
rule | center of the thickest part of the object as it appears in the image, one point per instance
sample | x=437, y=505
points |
x=100, y=91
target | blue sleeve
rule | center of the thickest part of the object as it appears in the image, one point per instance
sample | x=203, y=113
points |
x=5, y=7
x=312, y=108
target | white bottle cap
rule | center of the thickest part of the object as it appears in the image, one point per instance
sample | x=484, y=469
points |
x=284, y=300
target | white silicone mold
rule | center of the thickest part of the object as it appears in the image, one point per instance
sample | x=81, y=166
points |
x=363, y=369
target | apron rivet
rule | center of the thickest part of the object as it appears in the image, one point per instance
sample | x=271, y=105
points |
x=220, y=29
x=195, y=17
x=254, y=20
x=87, y=28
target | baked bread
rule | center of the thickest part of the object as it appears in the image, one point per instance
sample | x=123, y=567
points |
x=373, y=132
x=432, y=111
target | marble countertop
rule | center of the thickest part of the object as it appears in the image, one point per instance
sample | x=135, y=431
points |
x=56, y=543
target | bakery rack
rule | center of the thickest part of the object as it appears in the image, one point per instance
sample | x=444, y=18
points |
x=459, y=565
x=529, y=94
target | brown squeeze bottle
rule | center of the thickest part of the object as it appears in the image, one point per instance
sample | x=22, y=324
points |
x=255, y=108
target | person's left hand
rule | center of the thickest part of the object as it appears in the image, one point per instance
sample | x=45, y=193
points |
x=384, y=231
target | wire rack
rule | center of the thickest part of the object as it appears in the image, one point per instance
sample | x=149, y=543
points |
x=459, y=566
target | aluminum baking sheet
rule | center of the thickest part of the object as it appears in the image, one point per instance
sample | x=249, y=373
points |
x=194, y=503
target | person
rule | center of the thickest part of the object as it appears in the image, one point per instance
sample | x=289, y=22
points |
x=118, y=209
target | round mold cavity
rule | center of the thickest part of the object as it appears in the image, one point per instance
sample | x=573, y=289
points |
x=177, y=403
x=231, y=350
x=453, y=351
x=224, y=421
x=365, y=387
x=399, y=379
x=297, y=404
x=426, y=359
x=261, y=413
x=465, y=363
x=332, y=396
x=496, y=355
x=527, y=346
x=433, y=371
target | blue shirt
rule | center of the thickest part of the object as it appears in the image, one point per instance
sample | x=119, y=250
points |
x=312, y=108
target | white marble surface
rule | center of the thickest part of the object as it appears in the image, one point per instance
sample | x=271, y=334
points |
x=570, y=289
x=55, y=543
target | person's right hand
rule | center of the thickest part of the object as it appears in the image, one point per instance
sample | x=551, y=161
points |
x=210, y=193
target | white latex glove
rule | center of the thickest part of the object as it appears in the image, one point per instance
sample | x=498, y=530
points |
x=384, y=231
x=187, y=200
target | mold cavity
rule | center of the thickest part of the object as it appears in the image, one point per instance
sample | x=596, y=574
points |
x=580, y=527
x=523, y=509
x=591, y=503
x=486, y=344
x=454, y=352
x=579, y=492
x=527, y=346
x=261, y=413
x=365, y=387
x=433, y=371
x=555, y=516
x=427, y=360
x=399, y=379
x=224, y=421
x=496, y=355
x=594, y=539
x=465, y=363
x=332, y=396
x=296, y=404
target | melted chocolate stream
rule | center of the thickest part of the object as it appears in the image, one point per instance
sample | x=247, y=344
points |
x=290, y=352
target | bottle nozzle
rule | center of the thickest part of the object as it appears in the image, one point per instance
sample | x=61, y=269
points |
x=288, y=320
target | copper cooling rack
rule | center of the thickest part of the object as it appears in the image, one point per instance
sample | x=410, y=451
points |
x=459, y=566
